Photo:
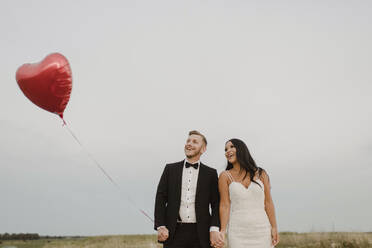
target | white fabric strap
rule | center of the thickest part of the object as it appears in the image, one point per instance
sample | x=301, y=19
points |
x=230, y=176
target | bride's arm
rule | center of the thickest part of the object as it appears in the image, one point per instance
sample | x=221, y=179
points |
x=269, y=206
x=223, y=187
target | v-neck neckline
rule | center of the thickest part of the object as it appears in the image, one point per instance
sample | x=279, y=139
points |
x=240, y=182
x=246, y=187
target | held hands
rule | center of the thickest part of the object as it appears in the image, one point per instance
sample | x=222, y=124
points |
x=163, y=233
x=274, y=236
x=217, y=239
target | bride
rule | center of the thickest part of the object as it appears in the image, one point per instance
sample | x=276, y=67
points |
x=246, y=205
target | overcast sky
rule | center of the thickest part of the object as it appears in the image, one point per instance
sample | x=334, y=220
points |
x=290, y=78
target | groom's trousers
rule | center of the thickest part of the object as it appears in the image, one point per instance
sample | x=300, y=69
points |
x=185, y=236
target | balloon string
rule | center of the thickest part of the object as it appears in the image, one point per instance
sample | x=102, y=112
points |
x=106, y=174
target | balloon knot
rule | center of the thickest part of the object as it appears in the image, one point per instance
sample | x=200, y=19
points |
x=64, y=122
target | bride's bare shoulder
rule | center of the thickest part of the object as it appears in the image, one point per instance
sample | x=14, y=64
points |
x=223, y=174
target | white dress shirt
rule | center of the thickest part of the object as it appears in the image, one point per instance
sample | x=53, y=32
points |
x=188, y=193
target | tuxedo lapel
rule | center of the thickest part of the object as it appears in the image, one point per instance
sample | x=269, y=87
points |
x=178, y=176
x=200, y=180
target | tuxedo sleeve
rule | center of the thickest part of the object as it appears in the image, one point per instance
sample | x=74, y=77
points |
x=215, y=201
x=161, y=199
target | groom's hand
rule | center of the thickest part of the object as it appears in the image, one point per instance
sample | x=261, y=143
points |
x=163, y=233
x=216, y=239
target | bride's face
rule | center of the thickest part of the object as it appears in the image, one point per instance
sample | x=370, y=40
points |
x=230, y=152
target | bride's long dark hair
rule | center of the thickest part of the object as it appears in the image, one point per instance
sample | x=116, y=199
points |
x=247, y=164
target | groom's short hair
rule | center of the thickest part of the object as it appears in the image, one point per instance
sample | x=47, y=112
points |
x=200, y=134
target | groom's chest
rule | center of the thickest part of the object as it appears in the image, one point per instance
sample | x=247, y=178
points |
x=191, y=181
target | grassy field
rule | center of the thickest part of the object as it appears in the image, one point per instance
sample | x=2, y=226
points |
x=290, y=240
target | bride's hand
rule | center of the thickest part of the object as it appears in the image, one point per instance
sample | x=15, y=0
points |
x=274, y=236
x=216, y=239
x=222, y=238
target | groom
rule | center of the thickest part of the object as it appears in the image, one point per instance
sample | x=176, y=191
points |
x=185, y=192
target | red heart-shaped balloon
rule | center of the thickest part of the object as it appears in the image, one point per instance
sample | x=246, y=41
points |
x=47, y=84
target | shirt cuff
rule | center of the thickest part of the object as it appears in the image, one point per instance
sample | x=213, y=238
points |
x=159, y=227
x=214, y=229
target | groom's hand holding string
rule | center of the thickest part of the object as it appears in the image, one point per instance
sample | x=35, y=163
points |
x=163, y=233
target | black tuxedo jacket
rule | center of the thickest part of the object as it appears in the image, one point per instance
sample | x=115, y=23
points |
x=168, y=200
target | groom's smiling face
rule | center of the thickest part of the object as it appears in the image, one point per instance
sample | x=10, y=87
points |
x=194, y=146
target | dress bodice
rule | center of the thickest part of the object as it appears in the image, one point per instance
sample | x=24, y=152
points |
x=247, y=199
x=249, y=225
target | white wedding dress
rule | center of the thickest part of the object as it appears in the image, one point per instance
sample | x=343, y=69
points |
x=248, y=226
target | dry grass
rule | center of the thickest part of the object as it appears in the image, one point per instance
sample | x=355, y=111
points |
x=288, y=240
x=119, y=241
x=323, y=240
